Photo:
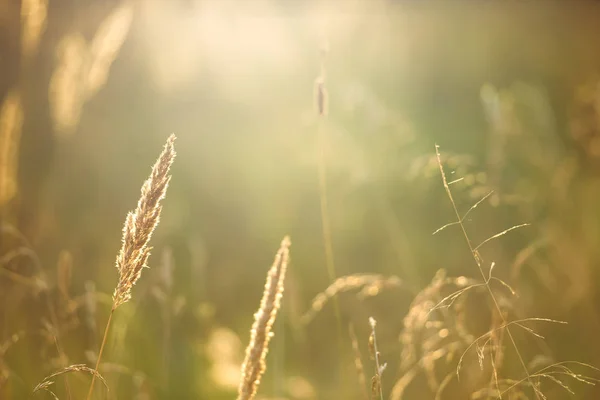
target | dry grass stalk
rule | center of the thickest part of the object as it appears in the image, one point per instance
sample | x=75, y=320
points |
x=140, y=225
x=371, y=285
x=138, y=229
x=37, y=282
x=531, y=379
x=431, y=333
x=254, y=364
x=376, y=389
x=426, y=331
x=478, y=261
x=47, y=381
x=434, y=334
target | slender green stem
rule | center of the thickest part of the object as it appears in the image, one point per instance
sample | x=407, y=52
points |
x=325, y=222
x=89, y=395
x=322, y=106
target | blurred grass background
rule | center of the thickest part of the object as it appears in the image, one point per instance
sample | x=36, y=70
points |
x=91, y=89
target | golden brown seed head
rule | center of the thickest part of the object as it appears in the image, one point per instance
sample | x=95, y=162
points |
x=254, y=364
x=140, y=224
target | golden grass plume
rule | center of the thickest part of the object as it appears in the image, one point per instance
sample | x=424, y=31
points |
x=138, y=229
x=140, y=225
x=254, y=364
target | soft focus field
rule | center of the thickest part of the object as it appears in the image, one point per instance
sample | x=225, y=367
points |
x=90, y=90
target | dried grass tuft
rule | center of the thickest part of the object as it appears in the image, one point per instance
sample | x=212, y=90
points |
x=47, y=381
x=434, y=335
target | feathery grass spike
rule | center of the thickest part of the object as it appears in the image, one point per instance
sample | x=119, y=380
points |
x=140, y=224
x=138, y=229
x=254, y=364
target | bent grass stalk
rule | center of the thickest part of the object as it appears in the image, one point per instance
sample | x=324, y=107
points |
x=138, y=229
